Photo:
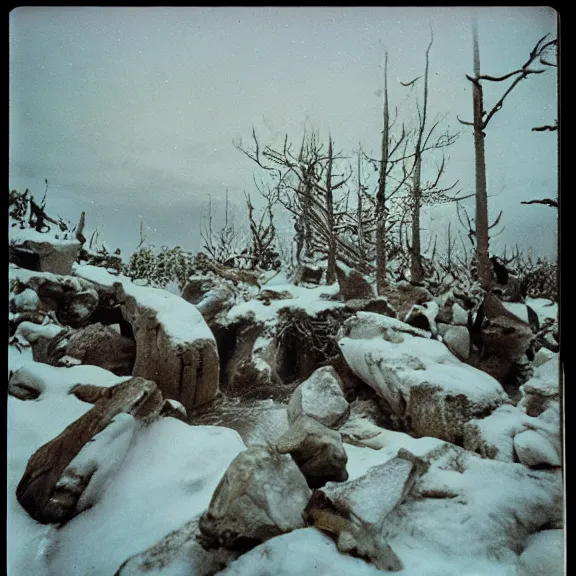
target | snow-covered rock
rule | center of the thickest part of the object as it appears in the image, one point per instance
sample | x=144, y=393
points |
x=165, y=481
x=262, y=494
x=178, y=554
x=533, y=449
x=321, y=398
x=97, y=345
x=459, y=315
x=316, y=449
x=174, y=346
x=404, y=296
x=509, y=433
x=378, y=305
x=543, y=555
x=210, y=295
x=423, y=316
x=60, y=478
x=54, y=255
x=428, y=390
x=25, y=301
x=457, y=340
x=542, y=389
x=353, y=285
x=355, y=511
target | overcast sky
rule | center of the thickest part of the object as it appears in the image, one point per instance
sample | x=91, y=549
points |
x=131, y=113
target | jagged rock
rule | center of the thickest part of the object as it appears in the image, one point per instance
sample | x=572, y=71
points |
x=174, y=346
x=96, y=345
x=457, y=340
x=89, y=392
x=543, y=555
x=316, y=449
x=428, y=390
x=353, y=285
x=367, y=325
x=533, y=449
x=378, y=304
x=178, y=550
x=210, y=295
x=56, y=256
x=57, y=482
x=320, y=397
x=423, y=316
x=351, y=512
x=262, y=495
x=542, y=356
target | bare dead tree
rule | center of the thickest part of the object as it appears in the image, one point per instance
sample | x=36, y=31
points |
x=546, y=201
x=481, y=118
x=312, y=186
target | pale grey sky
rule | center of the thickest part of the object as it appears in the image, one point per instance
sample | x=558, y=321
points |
x=131, y=112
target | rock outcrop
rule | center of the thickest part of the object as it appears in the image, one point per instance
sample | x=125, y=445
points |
x=56, y=483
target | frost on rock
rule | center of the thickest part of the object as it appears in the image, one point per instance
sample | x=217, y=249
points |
x=25, y=301
x=262, y=494
x=534, y=449
x=321, y=398
x=429, y=391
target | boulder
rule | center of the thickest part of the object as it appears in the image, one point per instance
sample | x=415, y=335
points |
x=210, y=295
x=378, y=304
x=353, y=285
x=62, y=476
x=352, y=514
x=533, y=449
x=544, y=555
x=457, y=340
x=509, y=435
x=97, y=345
x=404, y=296
x=542, y=390
x=307, y=273
x=316, y=449
x=174, y=346
x=428, y=390
x=56, y=256
x=423, y=316
x=320, y=397
x=262, y=494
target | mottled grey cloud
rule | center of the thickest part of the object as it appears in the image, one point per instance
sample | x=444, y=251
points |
x=133, y=112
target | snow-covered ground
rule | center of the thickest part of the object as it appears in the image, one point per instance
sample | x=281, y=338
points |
x=164, y=475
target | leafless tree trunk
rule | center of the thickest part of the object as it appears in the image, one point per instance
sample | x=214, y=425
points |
x=482, y=240
x=479, y=123
x=381, y=281
x=332, y=245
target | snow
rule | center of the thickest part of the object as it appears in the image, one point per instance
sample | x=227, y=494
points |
x=27, y=300
x=161, y=485
x=309, y=551
x=544, y=555
x=544, y=308
x=398, y=366
x=181, y=321
x=20, y=236
x=307, y=299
